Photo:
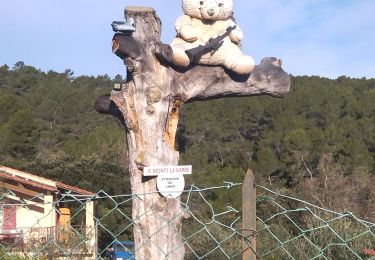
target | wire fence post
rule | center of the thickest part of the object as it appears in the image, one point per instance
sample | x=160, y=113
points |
x=249, y=216
x=90, y=231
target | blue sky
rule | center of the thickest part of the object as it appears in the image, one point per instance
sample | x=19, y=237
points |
x=328, y=38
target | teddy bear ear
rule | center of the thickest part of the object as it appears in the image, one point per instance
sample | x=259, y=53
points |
x=228, y=7
x=192, y=8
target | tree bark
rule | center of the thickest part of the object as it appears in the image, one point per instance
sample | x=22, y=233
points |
x=149, y=105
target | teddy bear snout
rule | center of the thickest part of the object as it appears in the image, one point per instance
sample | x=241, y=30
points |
x=211, y=12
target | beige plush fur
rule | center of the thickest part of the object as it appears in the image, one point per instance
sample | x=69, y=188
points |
x=205, y=19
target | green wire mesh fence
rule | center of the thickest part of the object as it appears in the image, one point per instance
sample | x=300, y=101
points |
x=289, y=228
x=91, y=227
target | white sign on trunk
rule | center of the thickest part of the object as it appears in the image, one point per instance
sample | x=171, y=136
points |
x=171, y=186
x=157, y=170
x=170, y=181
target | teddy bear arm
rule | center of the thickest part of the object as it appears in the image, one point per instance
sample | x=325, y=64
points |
x=236, y=35
x=185, y=30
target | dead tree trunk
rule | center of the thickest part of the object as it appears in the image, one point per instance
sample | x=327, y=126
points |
x=149, y=104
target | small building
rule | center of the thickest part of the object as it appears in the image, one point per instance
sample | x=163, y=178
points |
x=38, y=217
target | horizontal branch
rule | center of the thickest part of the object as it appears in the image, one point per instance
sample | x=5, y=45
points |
x=203, y=82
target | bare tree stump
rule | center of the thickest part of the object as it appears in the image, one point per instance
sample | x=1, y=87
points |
x=149, y=105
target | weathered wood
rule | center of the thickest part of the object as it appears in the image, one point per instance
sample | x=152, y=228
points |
x=202, y=82
x=125, y=46
x=148, y=110
x=249, y=216
x=149, y=105
x=103, y=104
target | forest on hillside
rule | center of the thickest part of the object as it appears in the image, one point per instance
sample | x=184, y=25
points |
x=318, y=143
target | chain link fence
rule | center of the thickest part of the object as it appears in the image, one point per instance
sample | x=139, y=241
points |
x=93, y=227
x=290, y=228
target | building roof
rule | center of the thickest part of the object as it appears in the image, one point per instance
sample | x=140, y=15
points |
x=39, y=182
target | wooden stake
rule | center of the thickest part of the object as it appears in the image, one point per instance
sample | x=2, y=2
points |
x=249, y=216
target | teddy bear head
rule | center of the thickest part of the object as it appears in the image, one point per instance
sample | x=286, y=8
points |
x=210, y=10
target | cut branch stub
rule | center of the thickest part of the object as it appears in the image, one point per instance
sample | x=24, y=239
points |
x=141, y=16
x=125, y=46
x=149, y=105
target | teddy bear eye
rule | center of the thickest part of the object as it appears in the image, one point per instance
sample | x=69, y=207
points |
x=201, y=2
x=221, y=5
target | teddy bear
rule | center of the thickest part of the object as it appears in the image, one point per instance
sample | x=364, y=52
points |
x=204, y=20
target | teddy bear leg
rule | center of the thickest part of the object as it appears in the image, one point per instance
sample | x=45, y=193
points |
x=241, y=64
x=180, y=58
